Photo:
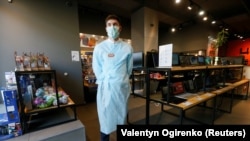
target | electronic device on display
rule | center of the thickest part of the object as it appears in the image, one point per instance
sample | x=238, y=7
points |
x=138, y=59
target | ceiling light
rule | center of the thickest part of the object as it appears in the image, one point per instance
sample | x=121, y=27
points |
x=201, y=12
x=190, y=6
x=177, y=1
x=205, y=18
x=213, y=22
x=173, y=29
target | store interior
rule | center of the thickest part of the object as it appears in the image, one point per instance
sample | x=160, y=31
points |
x=68, y=41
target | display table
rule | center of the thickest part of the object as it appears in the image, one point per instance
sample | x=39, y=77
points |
x=191, y=102
x=201, y=97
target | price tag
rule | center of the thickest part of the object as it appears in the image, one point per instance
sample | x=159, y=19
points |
x=10, y=108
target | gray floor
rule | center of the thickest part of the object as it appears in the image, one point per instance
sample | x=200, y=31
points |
x=240, y=115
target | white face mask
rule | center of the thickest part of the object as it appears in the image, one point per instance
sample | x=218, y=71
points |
x=113, y=31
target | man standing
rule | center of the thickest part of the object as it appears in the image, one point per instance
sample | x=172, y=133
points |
x=112, y=65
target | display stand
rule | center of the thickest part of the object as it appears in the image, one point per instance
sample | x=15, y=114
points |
x=207, y=93
x=42, y=104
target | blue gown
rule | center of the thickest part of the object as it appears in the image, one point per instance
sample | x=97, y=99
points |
x=112, y=64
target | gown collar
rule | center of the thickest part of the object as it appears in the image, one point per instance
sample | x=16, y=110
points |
x=112, y=41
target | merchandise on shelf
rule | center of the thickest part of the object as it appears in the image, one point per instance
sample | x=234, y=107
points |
x=38, y=90
x=88, y=73
x=32, y=62
x=9, y=116
x=41, y=101
x=10, y=79
x=46, y=97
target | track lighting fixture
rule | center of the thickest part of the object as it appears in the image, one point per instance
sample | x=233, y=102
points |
x=201, y=12
x=180, y=27
x=173, y=29
x=213, y=22
x=177, y=1
x=205, y=18
x=190, y=6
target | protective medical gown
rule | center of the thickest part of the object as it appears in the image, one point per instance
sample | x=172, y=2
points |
x=112, y=65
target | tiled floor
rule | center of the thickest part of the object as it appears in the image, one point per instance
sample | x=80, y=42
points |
x=240, y=115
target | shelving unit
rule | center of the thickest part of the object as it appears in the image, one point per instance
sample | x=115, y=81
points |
x=197, y=98
x=90, y=88
x=41, y=102
x=137, y=80
x=87, y=44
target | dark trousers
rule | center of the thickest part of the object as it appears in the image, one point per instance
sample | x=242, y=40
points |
x=104, y=137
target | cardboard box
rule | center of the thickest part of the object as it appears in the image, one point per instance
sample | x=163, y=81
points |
x=10, y=125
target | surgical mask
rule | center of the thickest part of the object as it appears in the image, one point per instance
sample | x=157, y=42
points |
x=113, y=32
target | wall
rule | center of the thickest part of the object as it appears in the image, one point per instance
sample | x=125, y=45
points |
x=137, y=33
x=45, y=26
x=238, y=48
x=144, y=30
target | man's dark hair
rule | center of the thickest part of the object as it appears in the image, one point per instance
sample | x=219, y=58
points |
x=112, y=16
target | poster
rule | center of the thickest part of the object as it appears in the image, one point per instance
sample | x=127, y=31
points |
x=165, y=55
x=75, y=56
